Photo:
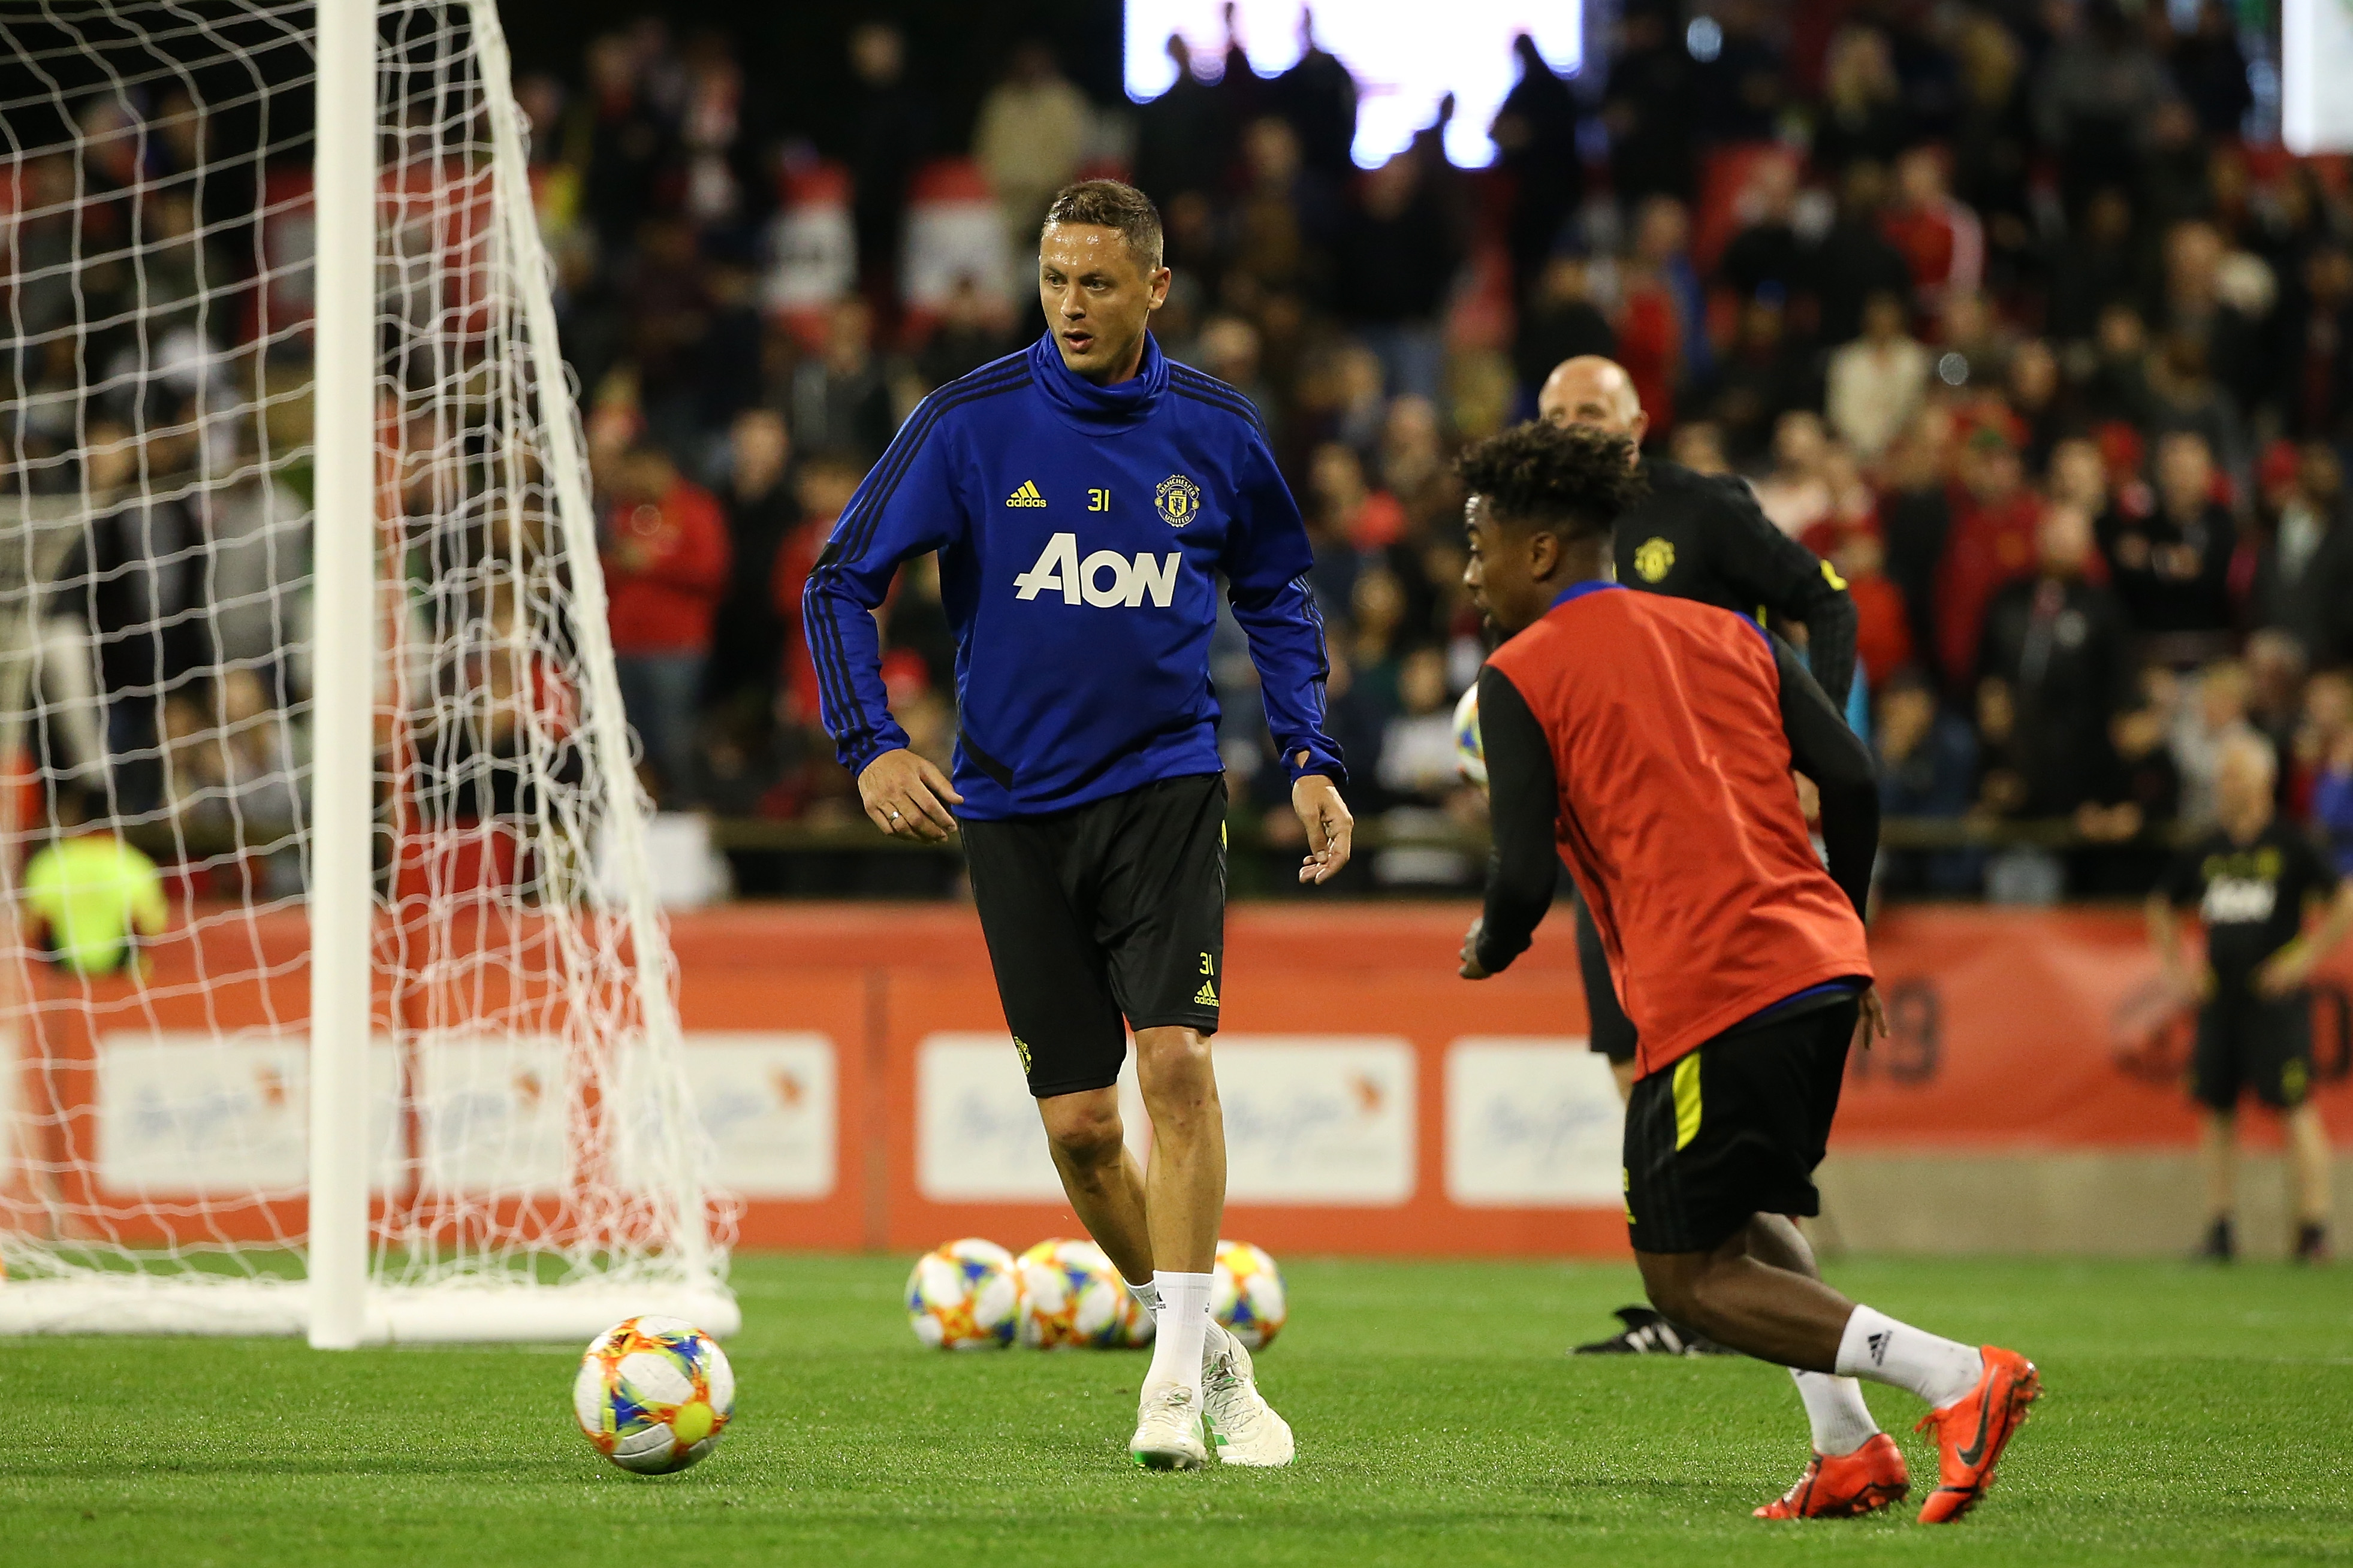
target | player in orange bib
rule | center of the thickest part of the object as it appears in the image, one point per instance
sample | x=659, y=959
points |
x=1649, y=741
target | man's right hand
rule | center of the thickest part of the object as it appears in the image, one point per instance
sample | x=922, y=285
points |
x=904, y=795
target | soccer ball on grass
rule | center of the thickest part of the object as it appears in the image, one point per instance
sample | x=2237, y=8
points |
x=1246, y=1294
x=654, y=1395
x=1072, y=1295
x=964, y=1295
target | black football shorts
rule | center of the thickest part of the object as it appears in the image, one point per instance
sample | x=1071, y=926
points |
x=1111, y=910
x=1735, y=1129
x=2250, y=1042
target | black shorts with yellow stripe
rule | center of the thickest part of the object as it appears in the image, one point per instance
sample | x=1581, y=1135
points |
x=1736, y=1128
x=1106, y=916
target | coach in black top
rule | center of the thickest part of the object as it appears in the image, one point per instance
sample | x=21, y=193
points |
x=2251, y=880
x=1694, y=536
x=1699, y=537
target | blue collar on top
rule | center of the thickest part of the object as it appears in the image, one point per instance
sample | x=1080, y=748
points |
x=1578, y=590
x=1100, y=409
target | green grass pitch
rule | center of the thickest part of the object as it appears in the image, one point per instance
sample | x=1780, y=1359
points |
x=2191, y=1417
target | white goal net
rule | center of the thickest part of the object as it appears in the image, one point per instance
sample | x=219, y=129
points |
x=533, y=1166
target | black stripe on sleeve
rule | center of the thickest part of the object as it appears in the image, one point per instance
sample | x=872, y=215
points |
x=834, y=687
x=1185, y=375
x=1322, y=649
x=860, y=525
x=855, y=530
x=813, y=628
x=834, y=681
x=1216, y=394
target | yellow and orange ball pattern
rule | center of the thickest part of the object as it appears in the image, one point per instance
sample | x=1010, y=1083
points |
x=654, y=1395
x=964, y=1295
x=1071, y=1295
x=1246, y=1294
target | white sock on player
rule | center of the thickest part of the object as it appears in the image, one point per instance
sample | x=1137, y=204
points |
x=1834, y=1407
x=1147, y=1296
x=1183, y=1324
x=1877, y=1348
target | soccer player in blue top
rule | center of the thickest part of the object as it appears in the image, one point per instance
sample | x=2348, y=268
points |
x=1085, y=497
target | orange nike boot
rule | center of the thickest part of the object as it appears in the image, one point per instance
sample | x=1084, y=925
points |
x=1973, y=1430
x=1845, y=1485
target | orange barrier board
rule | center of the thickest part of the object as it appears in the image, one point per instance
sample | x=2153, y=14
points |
x=852, y=1067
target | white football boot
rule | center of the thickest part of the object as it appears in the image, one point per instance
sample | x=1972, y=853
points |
x=1242, y=1424
x=1168, y=1430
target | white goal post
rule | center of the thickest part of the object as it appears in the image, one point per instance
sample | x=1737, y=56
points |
x=394, y=1055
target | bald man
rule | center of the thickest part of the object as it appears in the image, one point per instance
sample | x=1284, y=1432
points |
x=1697, y=536
x=1693, y=536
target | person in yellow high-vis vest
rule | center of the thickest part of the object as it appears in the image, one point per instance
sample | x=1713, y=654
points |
x=93, y=895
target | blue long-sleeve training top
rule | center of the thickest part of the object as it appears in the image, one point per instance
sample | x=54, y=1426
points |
x=1081, y=531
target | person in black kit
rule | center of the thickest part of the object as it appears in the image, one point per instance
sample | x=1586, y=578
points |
x=2250, y=881
x=1696, y=536
x=1692, y=536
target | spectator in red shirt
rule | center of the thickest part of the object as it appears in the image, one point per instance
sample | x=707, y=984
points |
x=1940, y=238
x=1992, y=542
x=827, y=483
x=1883, y=633
x=1367, y=519
x=665, y=557
x=1662, y=339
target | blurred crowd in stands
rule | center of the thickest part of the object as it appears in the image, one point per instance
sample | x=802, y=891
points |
x=1996, y=305
x=2015, y=311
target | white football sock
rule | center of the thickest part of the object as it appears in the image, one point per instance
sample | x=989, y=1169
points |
x=1877, y=1348
x=1147, y=1296
x=1183, y=1325
x=1834, y=1407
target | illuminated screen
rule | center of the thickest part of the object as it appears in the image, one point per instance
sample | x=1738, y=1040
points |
x=2315, y=59
x=1406, y=55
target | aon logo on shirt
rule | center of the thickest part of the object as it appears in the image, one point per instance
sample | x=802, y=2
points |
x=2238, y=900
x=1104, y=579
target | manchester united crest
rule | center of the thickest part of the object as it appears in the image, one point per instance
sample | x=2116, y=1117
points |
x=1179, y=500
x=1655, y=559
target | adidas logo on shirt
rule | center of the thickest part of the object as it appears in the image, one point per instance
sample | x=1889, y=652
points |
x=1025, y=496
x=1207, y=997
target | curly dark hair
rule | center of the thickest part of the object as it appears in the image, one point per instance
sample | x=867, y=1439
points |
x=1572, y=480
x=1112, y=206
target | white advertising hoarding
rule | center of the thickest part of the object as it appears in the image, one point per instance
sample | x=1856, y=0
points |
x=1309, y=1120
x=1317, y=1119
x=184, y=1112
x=769, y=1104
x=493, y=1114
x=1531, y=1123
x=978, y=1135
